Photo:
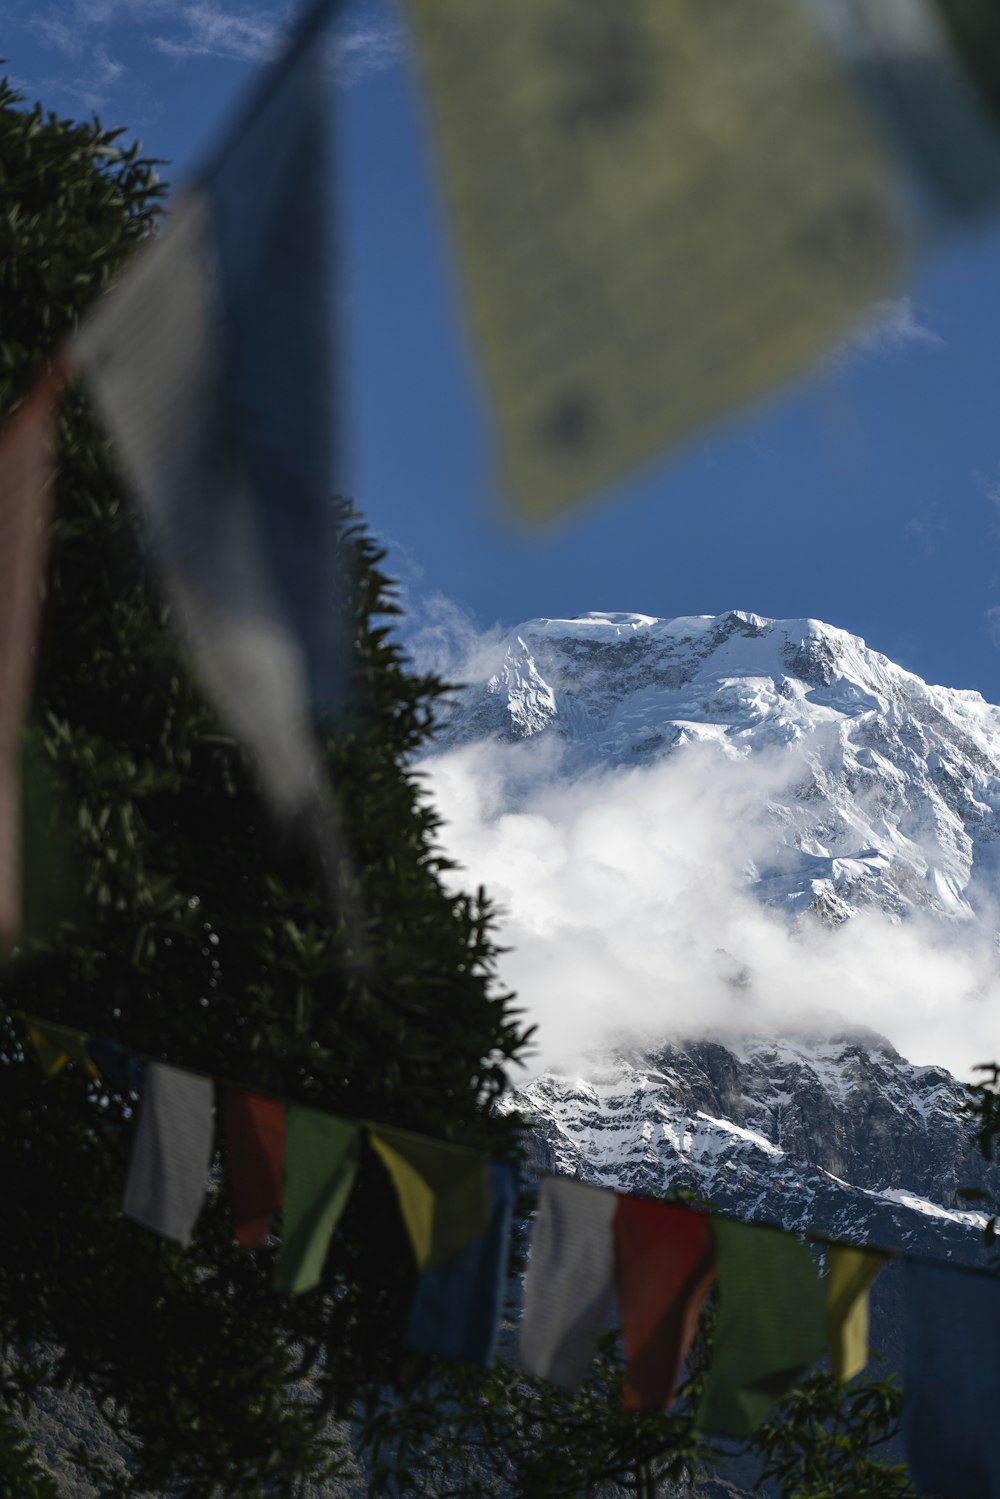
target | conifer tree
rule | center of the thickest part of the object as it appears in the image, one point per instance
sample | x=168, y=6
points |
x=190, y=928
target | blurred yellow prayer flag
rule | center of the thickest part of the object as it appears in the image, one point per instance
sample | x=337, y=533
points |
x=661, y=211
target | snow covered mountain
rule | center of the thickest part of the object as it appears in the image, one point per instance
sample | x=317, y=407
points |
x=896, y=797
x=881, y=798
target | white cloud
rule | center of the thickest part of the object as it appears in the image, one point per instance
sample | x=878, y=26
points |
x=362, y=50
x=441, y=636
x=890, y=327
x=206, y=30
x=993, y=491
x=93, y=82
x=628, y=905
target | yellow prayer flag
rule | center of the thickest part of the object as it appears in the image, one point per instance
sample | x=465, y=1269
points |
x=58, y=1044
x=660, y=210
x=850, y=1273
x=443, y=1192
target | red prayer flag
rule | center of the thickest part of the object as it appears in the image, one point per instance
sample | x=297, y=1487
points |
x=26, y=472
x=255, y=1132
x=665, y=1265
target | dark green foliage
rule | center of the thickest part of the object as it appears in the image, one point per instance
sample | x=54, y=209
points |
x=823, y=1441
x=204, y=936
x=502, y=1435
x=466, y=1434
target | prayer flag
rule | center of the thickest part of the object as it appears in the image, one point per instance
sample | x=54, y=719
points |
x=849, y=1276
x=443, y=1191
x=665, y=1266
x=255, y=1136
x=951, y=1392
x=26, y=473
x=570, y=1285
x=58, y=1044
x=926, y=69
x=209, y=363
x=770, y=1326
x=321, y=1162
x=172, y=1152
x=456, y=1307
x=661, y=211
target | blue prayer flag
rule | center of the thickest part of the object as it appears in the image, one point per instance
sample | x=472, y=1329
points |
x=456, y=1308
x=952, y=1392
x=210, y=363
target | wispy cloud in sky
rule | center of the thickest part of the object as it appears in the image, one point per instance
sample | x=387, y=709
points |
x=891, y=326
x=208, y=30
x=993, y=490
x=365, y=49
x=372, y=42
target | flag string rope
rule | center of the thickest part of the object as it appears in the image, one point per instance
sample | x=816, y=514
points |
x=820, y=1237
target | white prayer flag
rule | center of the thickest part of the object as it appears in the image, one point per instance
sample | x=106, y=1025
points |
x=570, y=1284
x=168, y=1172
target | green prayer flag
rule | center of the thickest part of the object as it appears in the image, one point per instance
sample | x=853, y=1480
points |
x=321, y=1162
x=443, y=1191
x=849, y=1276
x=58, y=1044
x=770, y=1326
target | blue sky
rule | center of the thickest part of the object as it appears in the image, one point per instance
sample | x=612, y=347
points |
x=868, y=496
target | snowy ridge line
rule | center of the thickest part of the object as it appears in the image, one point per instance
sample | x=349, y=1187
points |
x=893, y=801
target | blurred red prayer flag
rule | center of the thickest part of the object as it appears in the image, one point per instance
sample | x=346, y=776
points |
x=26, y=473
x=665, y=1266
x=255, y=1133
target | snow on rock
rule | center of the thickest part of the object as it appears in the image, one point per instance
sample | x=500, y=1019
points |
x=895, y=798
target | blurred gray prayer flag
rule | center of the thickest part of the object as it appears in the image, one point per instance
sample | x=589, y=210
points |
x=171, y=1153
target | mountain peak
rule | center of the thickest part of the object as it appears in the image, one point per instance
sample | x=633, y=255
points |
x=888, y=794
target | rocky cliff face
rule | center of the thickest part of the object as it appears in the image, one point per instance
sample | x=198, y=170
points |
x=837, y=1132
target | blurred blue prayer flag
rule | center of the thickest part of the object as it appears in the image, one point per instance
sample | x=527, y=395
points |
x=456, y=1307
x=210, y=362
x=950, y=1402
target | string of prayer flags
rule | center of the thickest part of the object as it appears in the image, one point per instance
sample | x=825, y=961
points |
x=950, y=1403
x=321, y=1162
x=665, y=1266
x=660, y=212
x=58, y=1044
x=209, y=363
x=255, y=1137
x=455, y=1311
x=171, y=1152
x=588, y=1241
x=27, y=446
x=443, y=1191
x=770, y=1326
x=850, y=1273
x=570, y=1285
